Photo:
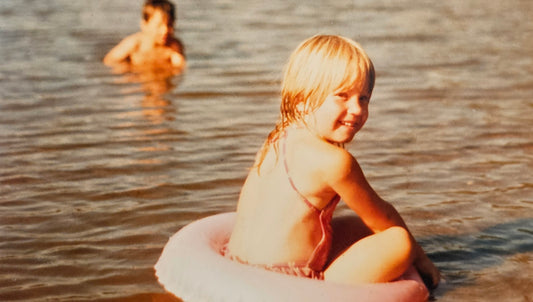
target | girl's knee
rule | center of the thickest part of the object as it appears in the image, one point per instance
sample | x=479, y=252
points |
x=377, y=258
x=400, y=241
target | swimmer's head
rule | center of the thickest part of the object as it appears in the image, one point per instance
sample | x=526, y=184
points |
x=158, y=20
x=165, y=6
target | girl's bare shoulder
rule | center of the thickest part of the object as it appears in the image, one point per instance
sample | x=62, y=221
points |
x=337, y=162
x=329, y=160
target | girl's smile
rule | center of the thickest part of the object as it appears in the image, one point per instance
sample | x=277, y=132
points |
x=340, y=116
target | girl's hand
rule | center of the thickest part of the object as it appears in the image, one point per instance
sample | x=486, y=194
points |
x=428, y=271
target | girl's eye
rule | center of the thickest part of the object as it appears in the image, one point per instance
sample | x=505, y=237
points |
x=342, y=95
x=364, y=99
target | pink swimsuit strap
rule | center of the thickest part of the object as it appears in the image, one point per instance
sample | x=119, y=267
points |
x=320, y=254
x=307, y=202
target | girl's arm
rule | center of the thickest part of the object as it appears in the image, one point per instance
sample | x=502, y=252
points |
x=347, y=179
x=122, y=50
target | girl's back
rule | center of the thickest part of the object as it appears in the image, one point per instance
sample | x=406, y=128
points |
x=279, y=211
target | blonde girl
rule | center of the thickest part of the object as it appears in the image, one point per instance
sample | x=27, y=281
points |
x=302, y=172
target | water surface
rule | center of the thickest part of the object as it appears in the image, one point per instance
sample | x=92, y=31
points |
x=98, y=168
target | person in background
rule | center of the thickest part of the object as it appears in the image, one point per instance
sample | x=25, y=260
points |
x=155, y=45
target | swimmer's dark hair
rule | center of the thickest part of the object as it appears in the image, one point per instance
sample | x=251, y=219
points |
x=164, y=5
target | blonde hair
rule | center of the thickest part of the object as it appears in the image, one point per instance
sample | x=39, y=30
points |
x=318, y=67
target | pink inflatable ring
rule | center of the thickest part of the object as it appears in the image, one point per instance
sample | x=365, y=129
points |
x=192, y=268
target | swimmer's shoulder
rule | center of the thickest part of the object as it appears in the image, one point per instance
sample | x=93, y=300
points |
x=176, y=45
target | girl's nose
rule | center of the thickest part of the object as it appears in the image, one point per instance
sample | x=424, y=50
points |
x=355, y=106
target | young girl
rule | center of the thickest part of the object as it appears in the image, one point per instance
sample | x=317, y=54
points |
x=302, y=171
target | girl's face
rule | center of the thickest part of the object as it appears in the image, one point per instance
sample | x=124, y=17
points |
x=341, y=115
x=157, y=27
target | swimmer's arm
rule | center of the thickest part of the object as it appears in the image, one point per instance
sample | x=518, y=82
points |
x=348, y=180
x=122, y=50
x=177, y=58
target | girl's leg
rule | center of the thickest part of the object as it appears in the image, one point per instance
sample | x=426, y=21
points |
x=381, y=257
x=347, y=230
